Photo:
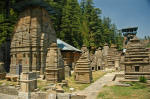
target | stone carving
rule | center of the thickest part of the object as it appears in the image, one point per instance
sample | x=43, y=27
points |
x=83, y=72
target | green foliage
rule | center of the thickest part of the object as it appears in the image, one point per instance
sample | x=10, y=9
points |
x=75, y=24
x=56, y=18
x=121, y=92
x=142, y=79
x=91, y=25
x=70, y=23
x=6, y=22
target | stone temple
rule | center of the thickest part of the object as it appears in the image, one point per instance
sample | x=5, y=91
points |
x=32, y=37
x=137, y=60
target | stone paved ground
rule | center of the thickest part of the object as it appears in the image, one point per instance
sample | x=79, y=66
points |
x=4, y=96
x=92, y=91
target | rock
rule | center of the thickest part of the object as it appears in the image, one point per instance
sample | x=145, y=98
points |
x=71, y=89
x=63, y=96
x=123, y=85
x=3, y=84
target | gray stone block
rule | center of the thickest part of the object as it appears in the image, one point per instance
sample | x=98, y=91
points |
x=63, y=96
x=51, y=96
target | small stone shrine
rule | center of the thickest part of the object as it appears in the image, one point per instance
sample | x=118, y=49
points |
x=111, y=56
x=54, y=64
x=137, y=60
x=96, y=63
x=83, y=72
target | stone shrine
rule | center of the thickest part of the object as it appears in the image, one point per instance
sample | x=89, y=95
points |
x=137, y=60
x=54, y=64
x=32, y=37
x=83, y=72
x=96, y=63
x=111, y=57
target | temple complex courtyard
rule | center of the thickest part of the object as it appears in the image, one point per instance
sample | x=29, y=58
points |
x=63, y=49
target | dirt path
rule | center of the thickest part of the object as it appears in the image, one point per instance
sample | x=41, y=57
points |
x=92, y=91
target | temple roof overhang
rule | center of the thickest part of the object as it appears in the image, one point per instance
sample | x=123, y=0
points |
x=66, y=47
x=20, y=6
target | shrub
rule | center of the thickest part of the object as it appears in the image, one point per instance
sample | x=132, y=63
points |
x=142, y=79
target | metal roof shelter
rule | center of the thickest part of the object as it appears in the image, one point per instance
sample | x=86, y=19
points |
x=129, y=31
x=66, y=47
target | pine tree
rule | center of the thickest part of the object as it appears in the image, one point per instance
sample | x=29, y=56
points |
x=7, y=20
x=94, y=25
x=70, y=23
x=56, y=17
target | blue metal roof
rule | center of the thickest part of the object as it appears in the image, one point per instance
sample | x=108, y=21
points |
x=66, y=47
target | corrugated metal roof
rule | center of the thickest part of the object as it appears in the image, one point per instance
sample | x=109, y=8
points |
x=66, y=47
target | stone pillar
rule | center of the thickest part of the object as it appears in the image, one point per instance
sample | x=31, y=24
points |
x=105, y=53
x=28, y=81
x=28, y=84
x=117, y=63
x=67, y=63
x=105, y=50
x=99, y=59
x=67, y=71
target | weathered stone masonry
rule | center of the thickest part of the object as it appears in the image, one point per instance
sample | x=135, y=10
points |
x=32, y=36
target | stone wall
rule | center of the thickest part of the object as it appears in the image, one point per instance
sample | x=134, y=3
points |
x=44, y=95
x=9, y=90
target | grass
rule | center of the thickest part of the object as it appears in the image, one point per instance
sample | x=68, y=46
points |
x=77, y=86
x=41, y=84
x=136, y=91
x=8, y=82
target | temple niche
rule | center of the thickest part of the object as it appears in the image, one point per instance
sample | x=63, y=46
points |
x=31, y=39
x=137, y=60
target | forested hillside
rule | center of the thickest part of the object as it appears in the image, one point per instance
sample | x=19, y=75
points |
x=75, y=23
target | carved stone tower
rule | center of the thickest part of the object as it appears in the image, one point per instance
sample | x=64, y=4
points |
x=32, y=35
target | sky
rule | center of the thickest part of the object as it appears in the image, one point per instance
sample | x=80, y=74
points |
x=127, y=13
